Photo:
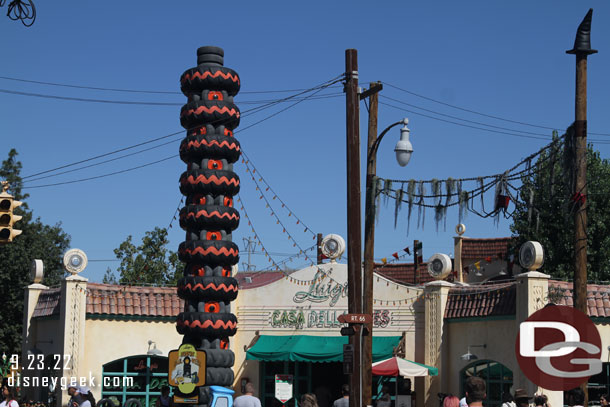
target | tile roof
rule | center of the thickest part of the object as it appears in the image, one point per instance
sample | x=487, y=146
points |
x=48, y=303
x=247, y=280
x=481, y=301
x=110, y=299
x=598, y=297
x=404, y=272
x=478, y=249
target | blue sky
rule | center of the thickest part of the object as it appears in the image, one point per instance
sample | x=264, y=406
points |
x=501, y=58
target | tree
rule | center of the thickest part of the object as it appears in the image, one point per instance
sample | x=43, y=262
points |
x=551, y=218
x=149, y=263
x=38, y=241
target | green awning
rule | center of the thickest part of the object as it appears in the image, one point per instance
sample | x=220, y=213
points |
x=304, y=348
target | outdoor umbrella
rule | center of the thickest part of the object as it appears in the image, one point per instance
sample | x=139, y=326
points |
x=396, y=366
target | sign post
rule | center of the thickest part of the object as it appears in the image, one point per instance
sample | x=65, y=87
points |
x=283, y=387
x=355, y=318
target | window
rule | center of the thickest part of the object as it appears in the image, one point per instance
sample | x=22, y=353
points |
x=140, y=377
x=498, y=378
x=222, y=402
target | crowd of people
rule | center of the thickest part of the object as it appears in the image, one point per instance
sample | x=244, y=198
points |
x=475, y=395
x=474, y=390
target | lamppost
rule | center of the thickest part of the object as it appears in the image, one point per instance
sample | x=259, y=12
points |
x=359, y=279
x=403, y=150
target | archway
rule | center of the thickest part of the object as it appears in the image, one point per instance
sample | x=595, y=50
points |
x=499, y=379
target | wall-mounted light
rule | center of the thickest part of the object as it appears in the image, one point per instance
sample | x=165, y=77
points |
x=154, y=351
x=471, y=356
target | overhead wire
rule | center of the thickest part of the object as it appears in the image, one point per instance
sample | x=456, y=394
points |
x=476, y=112
x=130, y=102
x=244, y=113
x=103, y=175
x=134, y=90
x=465, y=120
x=319, y=88
x=101, y=162
x=462, y=124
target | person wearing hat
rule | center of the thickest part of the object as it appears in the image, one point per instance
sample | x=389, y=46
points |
x=80, y=396
x=522, y=398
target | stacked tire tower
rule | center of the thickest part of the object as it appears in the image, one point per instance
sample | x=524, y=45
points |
x=209, y=184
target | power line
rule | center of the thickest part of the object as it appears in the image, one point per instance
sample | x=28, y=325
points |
x=476, y=112
x=135, y=90
x=102, y=162
x=103, y=155
x=78, y=99
x=465, y=120
x=102, y=176
x=464, y=125
x=139, y=103
x=244, y=113
x=158, y=161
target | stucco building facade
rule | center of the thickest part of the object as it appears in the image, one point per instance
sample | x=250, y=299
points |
x=106, y=330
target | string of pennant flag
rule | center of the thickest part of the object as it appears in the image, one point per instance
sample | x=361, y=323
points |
x=476, y=266
x=396, y=256
x=268, y=188
x=266, y=253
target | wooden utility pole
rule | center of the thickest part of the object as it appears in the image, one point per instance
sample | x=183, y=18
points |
x=354, y=243
x=582, y=48
x=369, y=240
x=319, y=248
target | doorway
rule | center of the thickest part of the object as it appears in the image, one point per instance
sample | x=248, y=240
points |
x=323, y=379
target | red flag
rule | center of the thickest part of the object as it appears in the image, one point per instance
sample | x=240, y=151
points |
x=395, y=255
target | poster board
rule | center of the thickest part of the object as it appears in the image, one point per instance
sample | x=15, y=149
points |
x=283, y=387
x=186, y=370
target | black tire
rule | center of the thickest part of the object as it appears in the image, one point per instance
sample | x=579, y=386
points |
x=214, y=112
x=193, y=269
x=210, y=59
x=213, y=182
x=204, y=394
x=205, y=343
x=199, y=146
x=213, y=343
x=219, y=376
x=210, y=252
x=209, y=217
x=210, y=77
x=105, y=403
x=219, y=358
x=206, y=324
x=207, y=288
x=210, y=49
x=132, y=403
